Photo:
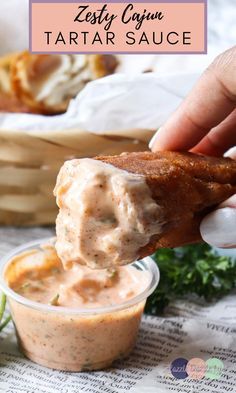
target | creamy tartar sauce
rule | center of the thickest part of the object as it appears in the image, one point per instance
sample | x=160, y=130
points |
x=39, y=275
x=78, y=341
x=106, y=214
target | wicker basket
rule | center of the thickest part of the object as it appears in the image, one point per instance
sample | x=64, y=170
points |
x=29, y=163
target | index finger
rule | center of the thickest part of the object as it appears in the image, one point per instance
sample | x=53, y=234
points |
x=212, y=99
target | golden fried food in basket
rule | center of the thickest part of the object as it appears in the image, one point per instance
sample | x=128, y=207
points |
x=47, y=83
x=8, y=101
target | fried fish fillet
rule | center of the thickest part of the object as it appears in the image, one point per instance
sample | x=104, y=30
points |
x=115, y=209
x=46, y=83
x=187, y=186
x=8, y=101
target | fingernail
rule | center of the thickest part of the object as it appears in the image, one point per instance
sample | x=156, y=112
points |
x=231, y=153
x=231, y=202
x=154, y=139
x=219, y=228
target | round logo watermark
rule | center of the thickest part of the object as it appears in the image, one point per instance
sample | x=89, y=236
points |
x=214, y=368
x=197, y=368
x=178, y=368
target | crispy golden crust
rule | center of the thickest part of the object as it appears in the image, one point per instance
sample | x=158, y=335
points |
x=22, y=74
x=11, y=104
x=29, y=72
x=8, y=101
x=102, y=65
x=186, y=185
x=26, y=72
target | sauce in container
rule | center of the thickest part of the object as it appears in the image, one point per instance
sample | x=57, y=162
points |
x=74, y=320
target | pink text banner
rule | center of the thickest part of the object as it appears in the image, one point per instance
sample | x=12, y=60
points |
x=118, y=26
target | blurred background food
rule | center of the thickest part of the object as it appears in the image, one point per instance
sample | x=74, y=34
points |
x=46, y=83
x=29, y=161
x=42, y=84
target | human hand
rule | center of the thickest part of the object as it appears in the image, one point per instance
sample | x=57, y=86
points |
x=206, y=123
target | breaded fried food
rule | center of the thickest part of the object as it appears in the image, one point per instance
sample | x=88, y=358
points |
x=5, y=67
x=116, y=209
x=8, y=101
x=47, y=83
x=187, y=186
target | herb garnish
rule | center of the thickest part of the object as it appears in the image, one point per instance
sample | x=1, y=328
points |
x=54, y=300
x=2, y=310
x=111, y=273
x=193, y=269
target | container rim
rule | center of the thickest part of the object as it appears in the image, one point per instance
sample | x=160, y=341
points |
x=145, y=264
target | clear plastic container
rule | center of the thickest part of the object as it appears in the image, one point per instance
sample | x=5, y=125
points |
x=74, y=339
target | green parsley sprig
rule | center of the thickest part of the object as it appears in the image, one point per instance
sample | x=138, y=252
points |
x=2, y=311
x=193, y=269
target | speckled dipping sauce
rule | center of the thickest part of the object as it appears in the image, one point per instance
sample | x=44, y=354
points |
x=70, y=320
